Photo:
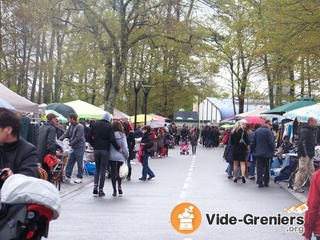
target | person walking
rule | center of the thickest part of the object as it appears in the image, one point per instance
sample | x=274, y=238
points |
x=312, y=216
x=252, y=170
x=262, y=148
x=306, y=151
x=160, y=142
x=147, y=143
x=46, y=141
x=117, y=158
x=130, y=142
x=100, y=137
x=194, y=142
x=240, y=142
x=75, y=134
x=16, y=154
x=166, y=141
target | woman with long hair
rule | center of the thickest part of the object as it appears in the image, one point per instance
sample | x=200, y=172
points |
x=240, y=142
x=131, y=142
x=117, y=158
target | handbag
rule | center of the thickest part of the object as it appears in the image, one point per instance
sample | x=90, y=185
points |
x=123, y=170
x=242, y=140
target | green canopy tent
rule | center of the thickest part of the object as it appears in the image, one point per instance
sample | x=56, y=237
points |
x=302, y=102
x=86, y=110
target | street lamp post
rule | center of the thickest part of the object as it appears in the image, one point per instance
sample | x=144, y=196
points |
x=137, y=85
x=146, y=89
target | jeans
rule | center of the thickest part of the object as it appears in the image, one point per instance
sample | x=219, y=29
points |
x=145, y=167
x=101, y=159
x=194, y=148
x=115, y=166
x=230, y=170
x=207, y=143
x=263, y=170
x=306, y=168
x=75, y=156
x=252, y=166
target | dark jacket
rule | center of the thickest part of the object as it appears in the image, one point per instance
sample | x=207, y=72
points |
x=21, y=157
x=262, y=143
x=306, y=142
x=46, y=143
x=75, y=133
x=148, y=142
x=130, y=142
x=101, y=134
x=239, y=149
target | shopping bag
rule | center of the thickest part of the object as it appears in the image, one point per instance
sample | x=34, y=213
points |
x=123, y=171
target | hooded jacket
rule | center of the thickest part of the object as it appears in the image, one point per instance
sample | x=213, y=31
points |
x=115, y=155
x=101, y=134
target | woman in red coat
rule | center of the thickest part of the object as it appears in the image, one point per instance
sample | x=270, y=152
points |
x=312, y=216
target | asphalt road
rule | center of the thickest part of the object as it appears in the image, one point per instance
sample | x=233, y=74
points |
x=143, y=212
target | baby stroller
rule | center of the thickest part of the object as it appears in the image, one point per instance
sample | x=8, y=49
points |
x=27, y=206
x=184, y=148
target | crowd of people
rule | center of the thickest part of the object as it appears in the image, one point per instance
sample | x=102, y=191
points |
x=115, y=144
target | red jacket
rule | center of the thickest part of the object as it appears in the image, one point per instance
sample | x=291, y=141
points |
x=312, y=216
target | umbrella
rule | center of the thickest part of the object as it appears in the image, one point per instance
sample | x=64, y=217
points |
x=302, y=102
x=61, y=108
x=254, y=120
x=302, y=114
x=60, y=118
x=5, y=104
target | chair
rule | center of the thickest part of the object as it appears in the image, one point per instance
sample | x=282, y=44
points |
x=43, y=174
x=57, y=170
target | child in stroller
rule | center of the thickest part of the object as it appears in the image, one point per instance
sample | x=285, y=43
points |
x=27, y=206
x=184, y=148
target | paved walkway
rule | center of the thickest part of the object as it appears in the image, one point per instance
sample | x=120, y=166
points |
x=67, y=188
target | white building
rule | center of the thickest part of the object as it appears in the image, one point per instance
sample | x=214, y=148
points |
x=215, y=110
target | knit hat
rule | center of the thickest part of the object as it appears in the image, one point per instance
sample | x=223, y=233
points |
x=106, y=116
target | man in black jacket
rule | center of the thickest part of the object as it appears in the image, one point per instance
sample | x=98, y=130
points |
x=306, y=151
x=16, y=154
x=100, y=136
x=46, y=138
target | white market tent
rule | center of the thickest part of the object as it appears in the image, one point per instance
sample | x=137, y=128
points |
x=21, y=104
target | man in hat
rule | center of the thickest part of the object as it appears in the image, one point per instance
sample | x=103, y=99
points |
x=46, y=138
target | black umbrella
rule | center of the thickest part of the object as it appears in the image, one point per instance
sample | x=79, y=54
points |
x=61, y=108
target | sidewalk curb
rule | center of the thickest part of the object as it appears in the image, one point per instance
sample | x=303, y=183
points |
x=298, y=196
x=75, y=187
